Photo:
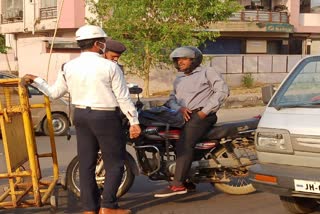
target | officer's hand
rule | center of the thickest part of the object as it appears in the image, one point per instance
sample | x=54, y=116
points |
x=186, y=113
x=29, y=77
x=134, y=131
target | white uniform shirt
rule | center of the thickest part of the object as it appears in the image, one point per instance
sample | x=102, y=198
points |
x=92, y=81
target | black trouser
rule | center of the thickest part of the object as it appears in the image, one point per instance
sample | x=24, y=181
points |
x=192, y=132
x=99, y=130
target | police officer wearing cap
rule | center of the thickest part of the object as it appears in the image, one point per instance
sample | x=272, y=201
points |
x=97, y=87
x=114, y=49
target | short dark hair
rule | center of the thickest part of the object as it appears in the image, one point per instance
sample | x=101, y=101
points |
x=88, y=43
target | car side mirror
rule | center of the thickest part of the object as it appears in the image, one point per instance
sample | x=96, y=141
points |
x=267, y=93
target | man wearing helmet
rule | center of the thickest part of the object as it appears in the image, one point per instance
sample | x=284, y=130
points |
x=197, y=94
x=98, y=88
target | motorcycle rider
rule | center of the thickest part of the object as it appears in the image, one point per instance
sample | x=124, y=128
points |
x=197, y=94
x=97, y=87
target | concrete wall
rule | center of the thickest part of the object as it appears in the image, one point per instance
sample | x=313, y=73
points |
x=264, y=69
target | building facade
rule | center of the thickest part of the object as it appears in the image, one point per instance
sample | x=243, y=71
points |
x=270, y=27
x=29, y=27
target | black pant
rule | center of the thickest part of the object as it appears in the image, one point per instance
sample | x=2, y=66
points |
x=192, y=132
x=99, y=130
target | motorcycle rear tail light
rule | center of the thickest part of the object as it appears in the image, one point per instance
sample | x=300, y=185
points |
x=205, y=145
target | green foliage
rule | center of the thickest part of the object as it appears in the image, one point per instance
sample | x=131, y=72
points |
x=3, y=48
x=151, y=29
x=248, y=80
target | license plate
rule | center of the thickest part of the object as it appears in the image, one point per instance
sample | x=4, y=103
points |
x=307, y=186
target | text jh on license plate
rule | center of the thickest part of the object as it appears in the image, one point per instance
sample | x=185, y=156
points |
x=307, y=186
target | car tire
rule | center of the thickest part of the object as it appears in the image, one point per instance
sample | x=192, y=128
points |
x=60, y=125
x=299, y=205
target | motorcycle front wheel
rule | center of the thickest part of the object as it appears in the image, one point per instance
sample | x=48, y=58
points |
x=73, y=179
x=239, y=183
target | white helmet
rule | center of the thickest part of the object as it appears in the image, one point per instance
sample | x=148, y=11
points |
x=90, y=32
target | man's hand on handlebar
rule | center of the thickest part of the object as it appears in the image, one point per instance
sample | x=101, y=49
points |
x=134, y=131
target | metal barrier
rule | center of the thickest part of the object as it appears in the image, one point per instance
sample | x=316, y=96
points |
x=26, y=187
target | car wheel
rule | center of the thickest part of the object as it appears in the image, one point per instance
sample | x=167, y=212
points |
x=60, y=125
x=299, y=205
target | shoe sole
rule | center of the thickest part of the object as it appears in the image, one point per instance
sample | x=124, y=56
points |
x=170, y=194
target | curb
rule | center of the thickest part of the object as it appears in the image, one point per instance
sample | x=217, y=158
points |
x=242, y=101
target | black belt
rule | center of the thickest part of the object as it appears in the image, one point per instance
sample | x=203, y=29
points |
x=96, y=108
x=197, y=109
x=200, y=108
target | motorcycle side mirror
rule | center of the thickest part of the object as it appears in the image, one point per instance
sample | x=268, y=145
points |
x=267, y=93
x=135, y=90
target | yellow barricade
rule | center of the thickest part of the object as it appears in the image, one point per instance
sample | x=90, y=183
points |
x=26, y=187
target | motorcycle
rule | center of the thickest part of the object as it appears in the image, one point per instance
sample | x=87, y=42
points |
x=221, y=158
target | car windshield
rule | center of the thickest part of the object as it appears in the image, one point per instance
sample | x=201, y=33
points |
x=302, y=88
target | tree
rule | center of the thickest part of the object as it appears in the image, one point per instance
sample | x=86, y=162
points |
x=152, y=28
x=3, y=48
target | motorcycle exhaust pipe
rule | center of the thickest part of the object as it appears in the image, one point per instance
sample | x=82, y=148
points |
x=196, y=165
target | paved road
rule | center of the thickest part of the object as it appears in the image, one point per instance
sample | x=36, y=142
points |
x=205, y=201
x=140, y=197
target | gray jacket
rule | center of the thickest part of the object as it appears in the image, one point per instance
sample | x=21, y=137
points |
x=202, y=88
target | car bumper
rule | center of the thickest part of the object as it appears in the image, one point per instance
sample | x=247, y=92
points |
x=284, y=176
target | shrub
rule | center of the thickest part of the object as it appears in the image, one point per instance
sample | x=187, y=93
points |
x=248, y=80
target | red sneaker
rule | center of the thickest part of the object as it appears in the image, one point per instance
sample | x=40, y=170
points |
x=171, y=191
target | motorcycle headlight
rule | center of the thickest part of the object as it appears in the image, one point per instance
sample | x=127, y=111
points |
x=275, y=142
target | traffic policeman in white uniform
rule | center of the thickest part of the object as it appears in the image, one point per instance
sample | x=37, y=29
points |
x=97, y=87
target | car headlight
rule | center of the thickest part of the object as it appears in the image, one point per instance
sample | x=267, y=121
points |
x=273, y=141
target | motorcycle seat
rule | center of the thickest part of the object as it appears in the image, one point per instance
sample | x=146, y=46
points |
x=232, y=129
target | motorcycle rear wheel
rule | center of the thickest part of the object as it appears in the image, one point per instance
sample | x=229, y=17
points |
x=73, y=180
x=239, y=179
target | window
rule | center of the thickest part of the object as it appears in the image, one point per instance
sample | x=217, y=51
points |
x=302, y=86
x=309, y=6
x=48, y=9
x=12, y=11
x=48, y=3
x=274, y=46
x=256, y=46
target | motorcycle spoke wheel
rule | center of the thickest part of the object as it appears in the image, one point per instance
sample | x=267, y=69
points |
x=73, y=178
x=239, y=183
